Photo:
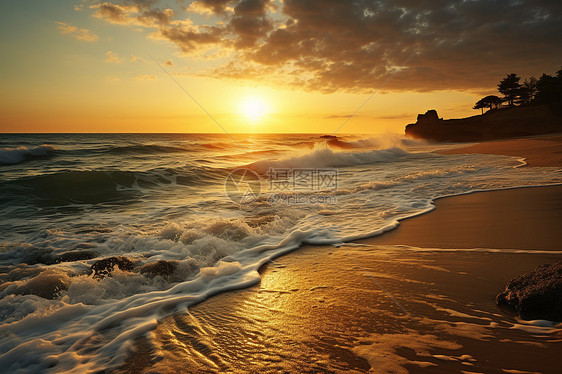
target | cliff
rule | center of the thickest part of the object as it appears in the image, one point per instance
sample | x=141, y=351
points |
x=494, y=124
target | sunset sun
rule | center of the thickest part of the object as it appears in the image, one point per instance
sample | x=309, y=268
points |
x=254, y=108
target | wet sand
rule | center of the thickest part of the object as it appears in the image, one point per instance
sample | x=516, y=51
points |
x=419, y=299
x=528, y=218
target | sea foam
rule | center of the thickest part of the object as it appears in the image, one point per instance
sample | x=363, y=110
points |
x=326, y=157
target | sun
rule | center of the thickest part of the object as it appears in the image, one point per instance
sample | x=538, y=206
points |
x=254, y=108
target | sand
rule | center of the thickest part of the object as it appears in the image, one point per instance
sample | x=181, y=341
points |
x=527, y=218
x=418, y=299
x=537, y=151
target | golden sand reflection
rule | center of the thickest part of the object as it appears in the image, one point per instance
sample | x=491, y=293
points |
x=327, y=314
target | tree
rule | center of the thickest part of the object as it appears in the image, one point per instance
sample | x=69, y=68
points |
x=491, y=101
x=509, y=87
x=549, y=88
x=527, y=92
x=480, y=105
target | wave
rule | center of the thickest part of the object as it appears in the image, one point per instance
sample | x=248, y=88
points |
x=72, y=186
x=216, y=145
x=147, y=149
x=361, y=143
x=10, y=156
x=98, y=186
x=325, y=157
x=380, y=142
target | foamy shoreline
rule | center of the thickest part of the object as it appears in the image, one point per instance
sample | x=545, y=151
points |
x=129, y=305
x=458, y=332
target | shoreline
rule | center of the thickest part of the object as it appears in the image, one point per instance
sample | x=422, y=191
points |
x=369, y=306
x=538, y=151
x=373, y=305
x=467, y=232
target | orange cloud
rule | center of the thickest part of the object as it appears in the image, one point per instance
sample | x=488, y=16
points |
x=146, y=77
x=80, y=34
x=113, y=57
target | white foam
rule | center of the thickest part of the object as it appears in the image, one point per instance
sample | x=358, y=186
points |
x=537, y=326
x=325, y=157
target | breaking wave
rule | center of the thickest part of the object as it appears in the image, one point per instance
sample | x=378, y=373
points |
x=321, y=158
x=10, y=156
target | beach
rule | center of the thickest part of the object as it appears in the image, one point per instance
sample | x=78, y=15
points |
x=270, y=186
x=417, y=299
x=537, y=151
x=135, y=252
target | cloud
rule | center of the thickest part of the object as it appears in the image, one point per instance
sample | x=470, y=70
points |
x=209, y=7
x=356, y=45
x=134, y=58
x=137, y=14
x=169, y=63
x=113, y=57
x=146, y=77
x=80, y=34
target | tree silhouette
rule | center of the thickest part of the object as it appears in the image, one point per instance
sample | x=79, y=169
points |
x=549, y=88
x=527, y=92
x=509, y=87
x=480, y=105
x=491, y=101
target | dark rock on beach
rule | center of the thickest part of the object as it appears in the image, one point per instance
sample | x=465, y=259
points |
x=104, y=267
x=535, y=295
x=162, y=268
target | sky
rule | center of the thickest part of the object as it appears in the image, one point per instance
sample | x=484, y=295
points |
x=262, y=65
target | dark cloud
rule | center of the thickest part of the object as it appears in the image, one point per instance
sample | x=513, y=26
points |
x=250, y=23
x=190, y=39
x=133, y=13
x=354, y=45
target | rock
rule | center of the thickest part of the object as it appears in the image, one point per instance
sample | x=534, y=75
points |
x=429, y=117
x=535, y=295
x=38, y=255
x=494, y=124
x=71, y=256
x=162, y=268
x=104, y=267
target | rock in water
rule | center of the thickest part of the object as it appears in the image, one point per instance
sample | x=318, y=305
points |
x=80, y=255
x=162, y=268
x=104, y=267
x=535, y=295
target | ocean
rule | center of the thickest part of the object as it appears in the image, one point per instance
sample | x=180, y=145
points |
x=189, y=216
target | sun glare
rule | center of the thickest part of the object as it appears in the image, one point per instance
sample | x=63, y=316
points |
x=254, y=108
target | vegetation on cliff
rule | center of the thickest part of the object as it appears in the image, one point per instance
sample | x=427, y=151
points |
x=531, y=108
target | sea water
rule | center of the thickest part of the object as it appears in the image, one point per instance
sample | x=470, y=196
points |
x=169, y=201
